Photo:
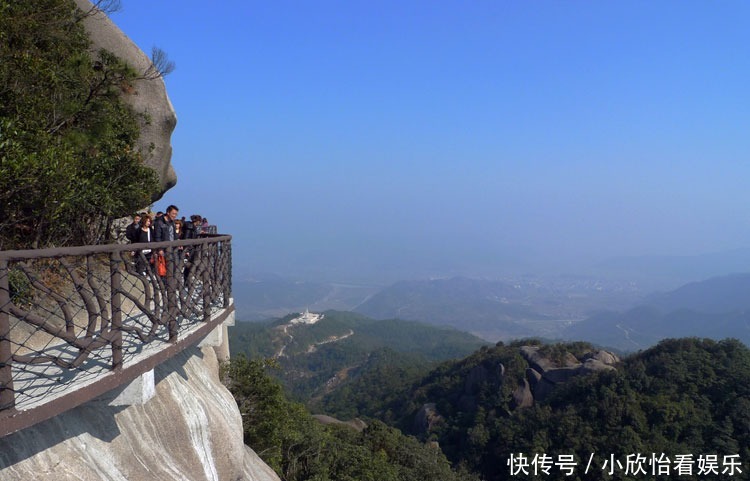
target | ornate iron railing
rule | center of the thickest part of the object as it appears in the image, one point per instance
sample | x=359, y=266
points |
x=76, y=322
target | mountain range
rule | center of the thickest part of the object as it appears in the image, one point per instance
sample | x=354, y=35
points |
x=615, y=314
x=716, y=308
x=524, y=398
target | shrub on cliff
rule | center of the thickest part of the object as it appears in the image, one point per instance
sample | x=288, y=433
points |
x=68, y=157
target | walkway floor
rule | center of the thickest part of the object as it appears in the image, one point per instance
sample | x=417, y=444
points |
x=36, y=384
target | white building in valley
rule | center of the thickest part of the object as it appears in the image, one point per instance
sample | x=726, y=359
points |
x=307, y=318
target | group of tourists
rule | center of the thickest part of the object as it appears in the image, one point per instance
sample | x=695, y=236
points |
x=163, y=227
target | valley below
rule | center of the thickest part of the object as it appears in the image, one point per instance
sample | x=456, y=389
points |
x=614, y=314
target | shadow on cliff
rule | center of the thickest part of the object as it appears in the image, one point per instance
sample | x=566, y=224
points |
x=176, y=365
x=96, y=419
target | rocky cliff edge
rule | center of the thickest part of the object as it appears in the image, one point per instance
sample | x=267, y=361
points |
x=191, y=430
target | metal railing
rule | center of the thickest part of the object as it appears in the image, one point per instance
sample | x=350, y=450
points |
x=76, y=322
x=209, y=229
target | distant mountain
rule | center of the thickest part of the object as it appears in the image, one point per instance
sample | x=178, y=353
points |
x=660, y=271
x=316, y=358
x=273, y=297
x=716, y=308
x=469, y=304
x=718, y=294
x=498, y=309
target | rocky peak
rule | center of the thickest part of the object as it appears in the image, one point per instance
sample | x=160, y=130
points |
x=544, y=373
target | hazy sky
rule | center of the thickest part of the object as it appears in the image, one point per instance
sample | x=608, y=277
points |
x=443, y=137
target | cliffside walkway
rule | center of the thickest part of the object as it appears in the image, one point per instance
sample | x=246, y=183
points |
x=78, y=322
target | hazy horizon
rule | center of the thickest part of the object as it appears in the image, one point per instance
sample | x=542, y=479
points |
x=475, y=139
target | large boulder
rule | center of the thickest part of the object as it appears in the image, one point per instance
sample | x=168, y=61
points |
x=427, y=419
x=148, y=97
x=594, y=365
x=543, y=374
x=536, y=360
x=533, y=377
x=602, y=356
x=522, y=397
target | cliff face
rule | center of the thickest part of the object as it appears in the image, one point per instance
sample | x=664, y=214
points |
x=191, y=430
x=149, y=97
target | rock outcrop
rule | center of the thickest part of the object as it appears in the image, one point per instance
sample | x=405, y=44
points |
x=522, y=397
x=149, y=96
x=533, y=377
x=190, y=431
x=544, y=374
x=427, y=418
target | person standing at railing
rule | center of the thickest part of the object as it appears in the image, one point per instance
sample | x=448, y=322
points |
x=131, y=232
x=192, y=227
x=164, y=231
x=178, y=233
x=164, y=228
x=191, y=230
x=143, y=258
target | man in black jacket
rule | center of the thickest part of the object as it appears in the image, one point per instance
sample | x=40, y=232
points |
x=131, y=232
x=164, y=231
x=164, y=226
x=189, y=229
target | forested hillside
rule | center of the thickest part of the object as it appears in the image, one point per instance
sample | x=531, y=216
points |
x=300, y=448
x=525, y=399
x=316, y=358
x=684, y=396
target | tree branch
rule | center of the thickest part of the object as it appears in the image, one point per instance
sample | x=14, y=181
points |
x=160, y=66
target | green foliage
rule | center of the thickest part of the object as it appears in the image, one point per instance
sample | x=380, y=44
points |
x=253, y=339
x=559, y=353
x=684, y=396
x=310, y=360
x=299, y=448
x=68, y=156
x=377, y=389
x=266, y=413
x=19, y=285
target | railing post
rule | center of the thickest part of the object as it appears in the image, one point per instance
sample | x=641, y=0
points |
x=7, y=395
x=172, y=308
x=227, y=287
x=115, y=287
x=206, y=280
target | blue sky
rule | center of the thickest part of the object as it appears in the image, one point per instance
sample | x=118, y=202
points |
x=407, y=139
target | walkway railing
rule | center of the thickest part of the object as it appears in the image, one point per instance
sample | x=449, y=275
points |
x=77, y=322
